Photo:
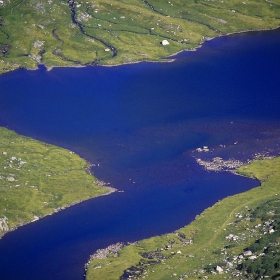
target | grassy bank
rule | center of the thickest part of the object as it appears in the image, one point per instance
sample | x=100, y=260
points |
x=237, y=238
x=67, y=33
x=37, y=179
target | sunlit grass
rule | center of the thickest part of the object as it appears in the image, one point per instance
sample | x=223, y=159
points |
x=134, y=29
x=37, y=179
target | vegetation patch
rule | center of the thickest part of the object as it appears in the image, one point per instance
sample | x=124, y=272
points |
x=38, y=179
x=114, y=32
x=237, y=238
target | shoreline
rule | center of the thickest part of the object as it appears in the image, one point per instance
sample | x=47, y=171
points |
x=217, y=165
x=110, y=190
x=225, y=35
x=86, y=176
x=168, y=58
x=131, y=261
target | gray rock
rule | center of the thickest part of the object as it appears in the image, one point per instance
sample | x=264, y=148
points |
x=247, y=253
x=10, y=179
x=4, y=224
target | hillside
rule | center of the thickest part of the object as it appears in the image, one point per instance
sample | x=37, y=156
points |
x=75, y=33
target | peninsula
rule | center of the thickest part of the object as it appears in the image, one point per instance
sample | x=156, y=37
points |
x=38, y=179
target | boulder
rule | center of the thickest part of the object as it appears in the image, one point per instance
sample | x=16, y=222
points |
x=247, y=253
x=164, y=42
x=219, y=269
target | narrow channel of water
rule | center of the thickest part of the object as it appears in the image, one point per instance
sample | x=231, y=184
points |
x=140, y=125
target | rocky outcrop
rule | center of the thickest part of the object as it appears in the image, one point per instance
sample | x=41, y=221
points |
x=112, y=249
x=218, y=164
x=103, y=253
x=4, y=224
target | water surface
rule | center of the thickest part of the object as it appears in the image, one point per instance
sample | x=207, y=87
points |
x=140, y=125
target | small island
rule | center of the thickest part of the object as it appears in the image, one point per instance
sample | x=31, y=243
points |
x=39, y=179
x=102, y=32
x=237, y=238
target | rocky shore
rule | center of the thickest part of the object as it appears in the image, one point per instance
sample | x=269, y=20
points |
x=218, y=164
x=103, y=253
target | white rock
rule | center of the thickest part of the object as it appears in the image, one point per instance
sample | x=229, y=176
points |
x=247, y=253
x=164, y=42
x=4, y=224
x=10, y=179
x=219, y=269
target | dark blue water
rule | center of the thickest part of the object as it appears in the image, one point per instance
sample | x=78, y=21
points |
x=141, y=123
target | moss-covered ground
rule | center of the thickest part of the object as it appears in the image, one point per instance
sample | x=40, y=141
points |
x=237, y=238
x=37, y=179
x=68, y=32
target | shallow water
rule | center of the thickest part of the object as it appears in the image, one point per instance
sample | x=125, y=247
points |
x=140, y=125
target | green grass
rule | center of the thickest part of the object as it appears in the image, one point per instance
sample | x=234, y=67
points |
x=37, y=179
x=131, y=29
x=195, y=250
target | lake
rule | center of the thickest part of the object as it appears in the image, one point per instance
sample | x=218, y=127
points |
x=140, y=125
